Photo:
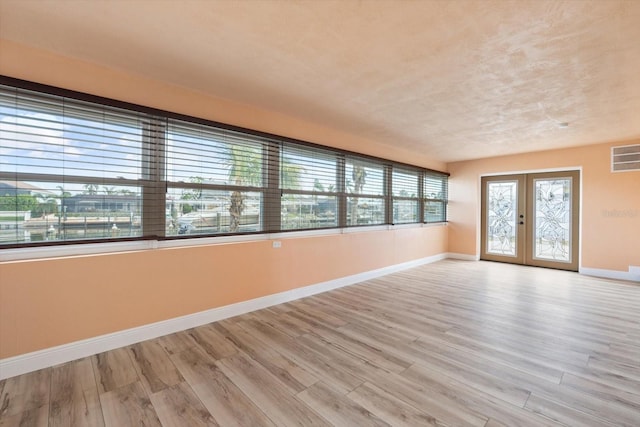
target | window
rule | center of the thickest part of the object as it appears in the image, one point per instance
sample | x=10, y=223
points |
x=435, y=197
x=215, y=180
x=68, y=169
x=365, y=188
x=77, y=168
x=309, y=184
x=406, y=196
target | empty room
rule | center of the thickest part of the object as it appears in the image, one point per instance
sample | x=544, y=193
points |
x=319, y=212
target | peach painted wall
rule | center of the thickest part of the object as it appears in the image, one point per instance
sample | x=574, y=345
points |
x=44, y=303
x=610, y=202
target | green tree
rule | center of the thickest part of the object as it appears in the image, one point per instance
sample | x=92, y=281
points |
x=290, y=175
x=91, y=189
x=18, y=203
x=62, y=197
x=245, y=168
x=317, y=186
x=358, y=175
x=109, y=190
x=192, y=194
x=63, y=194
x=48, y=206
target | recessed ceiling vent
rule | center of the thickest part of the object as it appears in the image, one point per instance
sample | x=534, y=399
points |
x=625, y=158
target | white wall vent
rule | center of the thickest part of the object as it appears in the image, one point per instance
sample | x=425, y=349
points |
x=625, y=158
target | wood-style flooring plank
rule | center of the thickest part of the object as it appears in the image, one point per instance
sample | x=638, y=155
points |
x=337, y=408
x=563, y=414
x=25, y=393
x=212, y=341
x=228, y=405
x=176, y=343
x=153, y=366
x=291, y=374
x=113, y=369
x=38, y=417
x=470, y=400
x=628, y=394
x=315, y=363
x=391, y=409
x=74, y=396
x=178, y=406
x=269, y=393
x=128, y=405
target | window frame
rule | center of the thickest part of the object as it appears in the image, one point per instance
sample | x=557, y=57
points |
x=442, y=200
x=416, y=198
x=154, y=183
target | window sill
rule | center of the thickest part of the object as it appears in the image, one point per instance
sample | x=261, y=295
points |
x=62, y=251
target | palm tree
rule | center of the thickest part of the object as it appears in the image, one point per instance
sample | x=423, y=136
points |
x=245, y=168
x=110, y=190
x=290, y=175
x=91, y=189
x=359, y=176
x=63, y=194
x=317, y=186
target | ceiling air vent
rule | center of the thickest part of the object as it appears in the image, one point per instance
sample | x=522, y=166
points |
x=625, y=158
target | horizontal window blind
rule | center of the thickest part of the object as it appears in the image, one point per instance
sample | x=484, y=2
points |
x=74, y=170
x=309, y=188
x=216, y=180
x=77, y=168
x=435, y=197
x=366, y=192
x=406, y=196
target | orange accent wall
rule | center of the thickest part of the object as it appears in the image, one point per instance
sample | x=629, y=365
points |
x=44, y=303
x=610, y=202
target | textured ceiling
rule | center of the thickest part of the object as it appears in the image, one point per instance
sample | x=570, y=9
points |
x=457, y=79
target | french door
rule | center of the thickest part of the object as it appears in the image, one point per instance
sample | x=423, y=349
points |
x=531, y=219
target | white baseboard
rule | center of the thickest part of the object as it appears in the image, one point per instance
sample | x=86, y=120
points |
x=29, y=362
x=463, y=257
x=612, y=274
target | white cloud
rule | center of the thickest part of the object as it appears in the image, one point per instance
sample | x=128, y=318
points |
x=27, y=133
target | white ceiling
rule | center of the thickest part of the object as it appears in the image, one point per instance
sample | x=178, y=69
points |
x=457, y=79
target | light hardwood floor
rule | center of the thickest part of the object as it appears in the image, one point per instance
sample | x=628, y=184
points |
x=448, y=344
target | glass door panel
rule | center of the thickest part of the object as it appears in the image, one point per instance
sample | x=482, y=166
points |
x=502, y=213
x=552, y=231
x=502, y=205
x=531, y=219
